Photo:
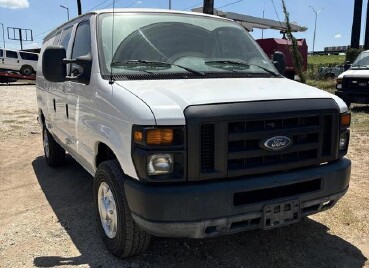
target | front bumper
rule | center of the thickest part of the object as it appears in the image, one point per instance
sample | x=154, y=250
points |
x=355, y=96
x=208, y=209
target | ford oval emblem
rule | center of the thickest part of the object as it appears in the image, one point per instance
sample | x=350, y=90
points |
x=277, y=143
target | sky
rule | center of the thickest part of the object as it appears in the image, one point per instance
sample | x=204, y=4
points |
x=334, y=21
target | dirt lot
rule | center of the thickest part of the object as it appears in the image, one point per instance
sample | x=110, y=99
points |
x=46, y=216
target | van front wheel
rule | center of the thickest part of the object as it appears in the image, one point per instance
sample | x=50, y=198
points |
x=121, y=235
x=54, y=153
x=26, y=70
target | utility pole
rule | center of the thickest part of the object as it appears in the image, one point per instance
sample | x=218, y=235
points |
x=366, y=40
x=80, y=7
x=170, y=4
x=66, y=9
x=316, y=19
x=3, y=34
x=208, y=7
x=356, y=24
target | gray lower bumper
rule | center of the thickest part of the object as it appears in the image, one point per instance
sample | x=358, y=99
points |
x=210, y=209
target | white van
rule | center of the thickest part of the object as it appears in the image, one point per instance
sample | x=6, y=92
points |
x=187, y=127
x=353, y=84
x=20, y=61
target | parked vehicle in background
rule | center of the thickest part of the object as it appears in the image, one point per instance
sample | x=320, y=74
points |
x=187, y=127
x=330, y=72
x=19, y=61
x=353, y=85
x=271, y=45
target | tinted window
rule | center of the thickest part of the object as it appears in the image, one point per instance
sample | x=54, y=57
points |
x=82, y=45
x=28, y=56
x=82, y=41
x=1, y=53
x=11, y=54
x=65, y=37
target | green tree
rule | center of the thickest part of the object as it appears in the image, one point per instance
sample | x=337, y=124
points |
x=296, y=56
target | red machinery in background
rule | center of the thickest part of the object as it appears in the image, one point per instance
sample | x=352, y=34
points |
x=271, y=45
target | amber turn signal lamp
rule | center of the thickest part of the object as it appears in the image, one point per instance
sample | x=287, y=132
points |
x=159, y=136
x=138, y=136
x=345, y=120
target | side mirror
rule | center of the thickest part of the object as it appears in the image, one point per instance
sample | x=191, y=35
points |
x=347, y=65
x=279, y=61
x=53, y=67
x=85, y=62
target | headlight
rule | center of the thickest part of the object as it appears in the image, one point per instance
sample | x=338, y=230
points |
x=343, y=143
x=158, y=164
x=339, y=83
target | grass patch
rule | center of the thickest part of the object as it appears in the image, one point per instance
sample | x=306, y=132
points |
x=326, y=60
x=360, y=118
x=327, y=85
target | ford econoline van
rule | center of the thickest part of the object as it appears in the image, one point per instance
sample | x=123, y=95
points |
x=187, y=127
x=353, y=84
x=20, y=61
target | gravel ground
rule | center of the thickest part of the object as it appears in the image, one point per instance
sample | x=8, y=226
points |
x=46, y=215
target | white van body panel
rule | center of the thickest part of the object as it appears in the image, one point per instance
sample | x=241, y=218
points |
x=355, y=73
x=169, y=98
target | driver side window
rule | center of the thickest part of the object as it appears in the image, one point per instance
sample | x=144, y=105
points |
x=81, y=46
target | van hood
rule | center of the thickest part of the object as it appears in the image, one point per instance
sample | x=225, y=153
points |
x=167, y=99
x=355, y=73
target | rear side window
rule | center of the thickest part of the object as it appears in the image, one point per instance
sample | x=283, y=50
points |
x=11, y=54
x=65, y=37
x=28, y=56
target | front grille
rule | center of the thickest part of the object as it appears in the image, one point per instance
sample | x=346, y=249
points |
x=356, y=83
x=311, y=137
x=207, y=147
x=227, y=140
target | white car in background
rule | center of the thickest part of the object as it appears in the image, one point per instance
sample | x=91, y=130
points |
x=20, y=61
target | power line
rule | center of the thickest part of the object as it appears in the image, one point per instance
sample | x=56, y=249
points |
x=103, y=2
x=275, y=10
x=230, y=4
x=190, y=7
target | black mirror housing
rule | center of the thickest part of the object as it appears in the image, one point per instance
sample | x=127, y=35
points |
x=279, y=61
x=53, y=67
x=347, y=65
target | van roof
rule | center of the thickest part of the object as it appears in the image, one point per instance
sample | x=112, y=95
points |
x=133, y=10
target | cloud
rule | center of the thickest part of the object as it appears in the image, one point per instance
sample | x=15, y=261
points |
x=14, y=4
x=338, y=36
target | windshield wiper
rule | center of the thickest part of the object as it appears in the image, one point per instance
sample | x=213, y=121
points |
x=360, y=67
x=244, y=64
x=153, y=63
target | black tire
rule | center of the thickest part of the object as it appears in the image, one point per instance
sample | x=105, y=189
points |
x=128, y=239
x=26, y=70
x=54, y=154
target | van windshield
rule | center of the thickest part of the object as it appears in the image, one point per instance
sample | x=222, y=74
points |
x=162, y=43
x=362, y=61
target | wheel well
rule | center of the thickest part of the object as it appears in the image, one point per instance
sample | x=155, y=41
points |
x=42, y=117
x=104, y=153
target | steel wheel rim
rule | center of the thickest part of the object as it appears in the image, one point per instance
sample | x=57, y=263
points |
x=107, y=210
x=46, y=144
x=27, y=71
